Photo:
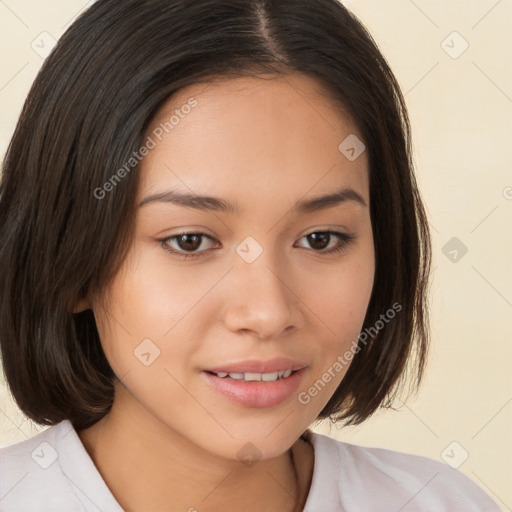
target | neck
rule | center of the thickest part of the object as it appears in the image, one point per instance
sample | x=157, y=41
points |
x=149, y=466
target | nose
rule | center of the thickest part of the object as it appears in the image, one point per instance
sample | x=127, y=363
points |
x=261, y=299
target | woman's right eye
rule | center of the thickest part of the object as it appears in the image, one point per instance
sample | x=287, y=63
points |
x=185, y=242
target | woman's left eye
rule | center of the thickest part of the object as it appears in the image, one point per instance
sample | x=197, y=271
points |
x=319, y=238
x=187, y=245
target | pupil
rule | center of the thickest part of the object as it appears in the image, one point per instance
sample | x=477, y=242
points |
x=187, y=245
x=315, y=237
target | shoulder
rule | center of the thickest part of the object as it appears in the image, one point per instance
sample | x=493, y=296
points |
x=366, y=478
x=31, y=476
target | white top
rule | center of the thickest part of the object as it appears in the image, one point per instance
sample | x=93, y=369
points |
x=52, y=472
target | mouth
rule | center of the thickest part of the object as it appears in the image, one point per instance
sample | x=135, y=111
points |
x=254, y=366
x=253, y=376
x=241, y=383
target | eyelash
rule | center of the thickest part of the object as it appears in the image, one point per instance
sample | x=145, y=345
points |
x=344, y=239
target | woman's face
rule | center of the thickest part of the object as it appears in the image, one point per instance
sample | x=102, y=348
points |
x=262, y=290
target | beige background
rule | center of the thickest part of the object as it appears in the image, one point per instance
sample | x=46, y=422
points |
x=461, y=112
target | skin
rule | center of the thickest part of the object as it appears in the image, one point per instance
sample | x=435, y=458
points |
x=171, y=440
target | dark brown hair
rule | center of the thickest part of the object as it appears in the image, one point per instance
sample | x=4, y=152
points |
x=86, y=114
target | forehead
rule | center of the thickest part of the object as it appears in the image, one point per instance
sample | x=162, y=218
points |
x=266, y=133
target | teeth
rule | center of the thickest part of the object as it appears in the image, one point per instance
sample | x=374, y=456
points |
x=269, y=376
x=251, y=376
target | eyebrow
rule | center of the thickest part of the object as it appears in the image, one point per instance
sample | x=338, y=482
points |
x=209, y=203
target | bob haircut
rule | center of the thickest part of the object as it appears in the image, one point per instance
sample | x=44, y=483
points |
x=85, y=116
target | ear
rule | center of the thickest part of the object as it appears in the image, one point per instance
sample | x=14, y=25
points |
x=81, y=305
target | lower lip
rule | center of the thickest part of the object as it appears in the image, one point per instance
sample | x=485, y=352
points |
x=256, y=393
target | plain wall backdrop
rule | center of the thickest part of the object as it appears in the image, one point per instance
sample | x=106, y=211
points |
x=453, y=61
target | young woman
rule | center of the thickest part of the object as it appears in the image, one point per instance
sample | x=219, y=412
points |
x=211, y=237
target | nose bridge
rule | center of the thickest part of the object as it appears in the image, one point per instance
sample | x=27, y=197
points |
x=262, y=300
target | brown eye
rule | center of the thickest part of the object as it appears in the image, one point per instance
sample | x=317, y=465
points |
x=320, y=241
x=189, y=242
x=185, y=244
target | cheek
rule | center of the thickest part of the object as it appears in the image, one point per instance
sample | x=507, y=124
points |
x=151, y=296
x=153, y=300
x=341, y=302
x=345, y=300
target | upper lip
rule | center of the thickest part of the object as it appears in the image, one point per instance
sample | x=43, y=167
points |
x=258, y=366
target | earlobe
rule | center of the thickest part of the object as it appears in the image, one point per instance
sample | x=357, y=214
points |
x=81, y=305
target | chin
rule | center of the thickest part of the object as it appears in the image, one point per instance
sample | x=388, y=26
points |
x=263, y=439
